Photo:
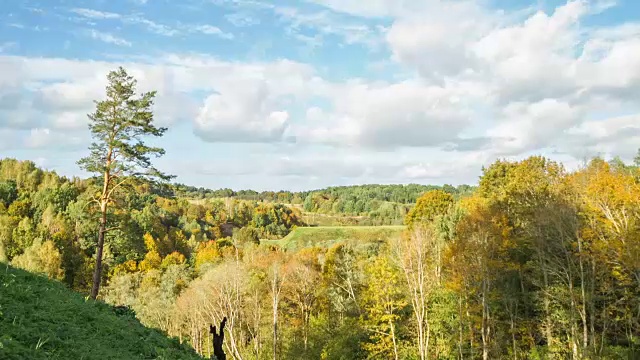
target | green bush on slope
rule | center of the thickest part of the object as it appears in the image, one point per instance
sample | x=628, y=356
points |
x=41, y=319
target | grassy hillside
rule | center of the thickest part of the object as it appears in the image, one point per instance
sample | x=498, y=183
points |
x=41, y=319
x=325, y=236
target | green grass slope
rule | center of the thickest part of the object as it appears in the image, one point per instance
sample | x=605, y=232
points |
x=325, y=236
x=42, y=319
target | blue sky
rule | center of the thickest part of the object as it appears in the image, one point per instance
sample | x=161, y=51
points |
x=306, y=94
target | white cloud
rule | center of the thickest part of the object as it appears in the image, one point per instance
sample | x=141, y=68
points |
x=150, y=25
x=246, y=102
x=619, y=136
x=530, y=126
x=436, y=42
x=129, y=19
x=242, y=19
x=38, y=138
x=330, y=167
x=108, y=38
x=41, y=138
x=242, y=113
x=211, y=30
x=95, y=14
x=542, y=74
x=324, y=24
x=408, y=113
x=476, y=84
x=377, y=8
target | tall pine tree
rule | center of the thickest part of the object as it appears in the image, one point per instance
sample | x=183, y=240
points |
x=118, y=154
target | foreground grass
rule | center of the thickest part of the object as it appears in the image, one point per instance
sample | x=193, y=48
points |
x=42, y=319
x=325, y=236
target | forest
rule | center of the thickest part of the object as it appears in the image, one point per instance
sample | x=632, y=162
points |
x=538, y=262
x=535, y=262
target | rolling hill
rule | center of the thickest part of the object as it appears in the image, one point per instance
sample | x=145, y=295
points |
x=42, y=319
x=325, y=236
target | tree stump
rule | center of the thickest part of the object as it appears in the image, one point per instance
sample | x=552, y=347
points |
x=218, y=339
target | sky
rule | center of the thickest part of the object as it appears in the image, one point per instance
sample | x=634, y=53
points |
x=295, y=95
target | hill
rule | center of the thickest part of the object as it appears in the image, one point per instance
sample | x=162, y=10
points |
x=325, y=236
x=41, y=319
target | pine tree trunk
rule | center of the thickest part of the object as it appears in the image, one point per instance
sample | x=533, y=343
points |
x=97, y=271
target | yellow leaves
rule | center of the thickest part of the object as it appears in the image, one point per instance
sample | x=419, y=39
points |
x=607, y=192
x=609, y=202
x=383, y=299
x=517, y=181
x=41, y=257
x=175, y=258
x=152, y=260
x=127, y=267
x=207, y=253
x=428, y=206
x=619, y=273
x=150, y=243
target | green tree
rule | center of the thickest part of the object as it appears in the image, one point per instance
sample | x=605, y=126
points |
x=246, y=235
x=118, y=154
x=433, y=203
x=20, y=209
x=8, y=192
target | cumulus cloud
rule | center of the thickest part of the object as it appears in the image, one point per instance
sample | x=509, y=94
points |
x=618, y=136
x=436, y=42
x=529, y=126
x=543, y=73
x=242, y=113
x=476, y=84
x=54, y=94
x=244, y=102
x=408, y=113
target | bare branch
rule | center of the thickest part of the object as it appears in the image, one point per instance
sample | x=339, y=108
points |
x=115, y=187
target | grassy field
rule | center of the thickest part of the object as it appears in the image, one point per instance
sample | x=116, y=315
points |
x=325, y=236
x=41, y=319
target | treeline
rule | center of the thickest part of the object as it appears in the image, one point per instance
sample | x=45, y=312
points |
x=381, y=204
x=402, y=194
x=47, y=224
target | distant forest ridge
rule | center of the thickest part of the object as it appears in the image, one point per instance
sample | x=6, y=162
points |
x=398, y=193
